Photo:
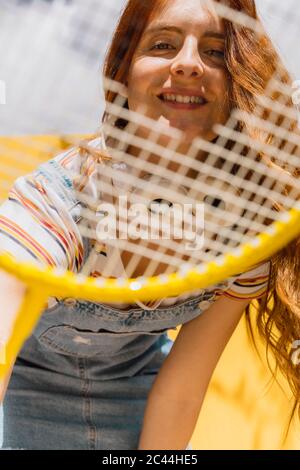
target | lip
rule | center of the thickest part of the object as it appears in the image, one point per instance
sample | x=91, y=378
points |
x=183, y=92
x=190, y=106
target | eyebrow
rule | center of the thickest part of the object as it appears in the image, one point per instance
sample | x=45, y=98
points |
x=160, y=28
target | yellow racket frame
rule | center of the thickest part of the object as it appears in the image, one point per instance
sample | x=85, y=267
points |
x=46, y=282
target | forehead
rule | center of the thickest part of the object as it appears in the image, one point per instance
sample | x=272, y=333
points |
x=188, y=14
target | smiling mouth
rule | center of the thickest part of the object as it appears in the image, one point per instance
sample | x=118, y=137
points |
x=183, y=102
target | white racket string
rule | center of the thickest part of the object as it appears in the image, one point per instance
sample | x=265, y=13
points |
x=241, y=182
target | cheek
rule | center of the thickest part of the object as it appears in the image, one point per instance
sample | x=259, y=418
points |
x=138, y=77
x=224, y=86
x=221, y=89
x=145, y=76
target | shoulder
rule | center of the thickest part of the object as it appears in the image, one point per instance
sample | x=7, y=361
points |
x=66, y=165
x=251, y=284
x=58, y=177
x=257, y=271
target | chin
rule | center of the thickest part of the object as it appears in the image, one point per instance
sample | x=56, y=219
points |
x=191, y=132
x=189, y=135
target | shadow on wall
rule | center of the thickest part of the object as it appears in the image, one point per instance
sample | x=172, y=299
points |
x=243, y=408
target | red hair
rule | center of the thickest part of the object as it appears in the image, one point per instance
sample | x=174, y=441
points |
x=251, y=61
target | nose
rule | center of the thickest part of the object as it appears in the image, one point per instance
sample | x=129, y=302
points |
x=188, y=62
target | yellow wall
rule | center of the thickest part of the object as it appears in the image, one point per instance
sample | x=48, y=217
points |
x=241, y=410
x=21, y=154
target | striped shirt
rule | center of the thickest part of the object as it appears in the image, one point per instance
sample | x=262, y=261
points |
x=39, y=222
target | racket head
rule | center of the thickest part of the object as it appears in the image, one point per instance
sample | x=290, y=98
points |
x=227, y=241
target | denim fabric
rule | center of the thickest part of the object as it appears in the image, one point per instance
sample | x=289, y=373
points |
x=81, y=381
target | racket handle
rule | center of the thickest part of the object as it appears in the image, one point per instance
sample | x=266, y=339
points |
x=31, y=309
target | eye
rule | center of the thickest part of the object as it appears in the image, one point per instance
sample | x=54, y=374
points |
x=219, y=54
x=161, y=46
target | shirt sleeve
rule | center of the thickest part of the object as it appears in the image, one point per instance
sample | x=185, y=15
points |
x=38, y=219
x=250, y=285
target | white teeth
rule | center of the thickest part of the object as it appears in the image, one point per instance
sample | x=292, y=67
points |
x=183, y=99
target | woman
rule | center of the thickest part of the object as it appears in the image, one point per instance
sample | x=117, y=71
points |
x=83, y=378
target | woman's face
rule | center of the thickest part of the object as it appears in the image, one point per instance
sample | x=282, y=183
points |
x=178, y=74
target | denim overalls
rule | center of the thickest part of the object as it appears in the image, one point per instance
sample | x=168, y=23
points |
x=82, y=379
